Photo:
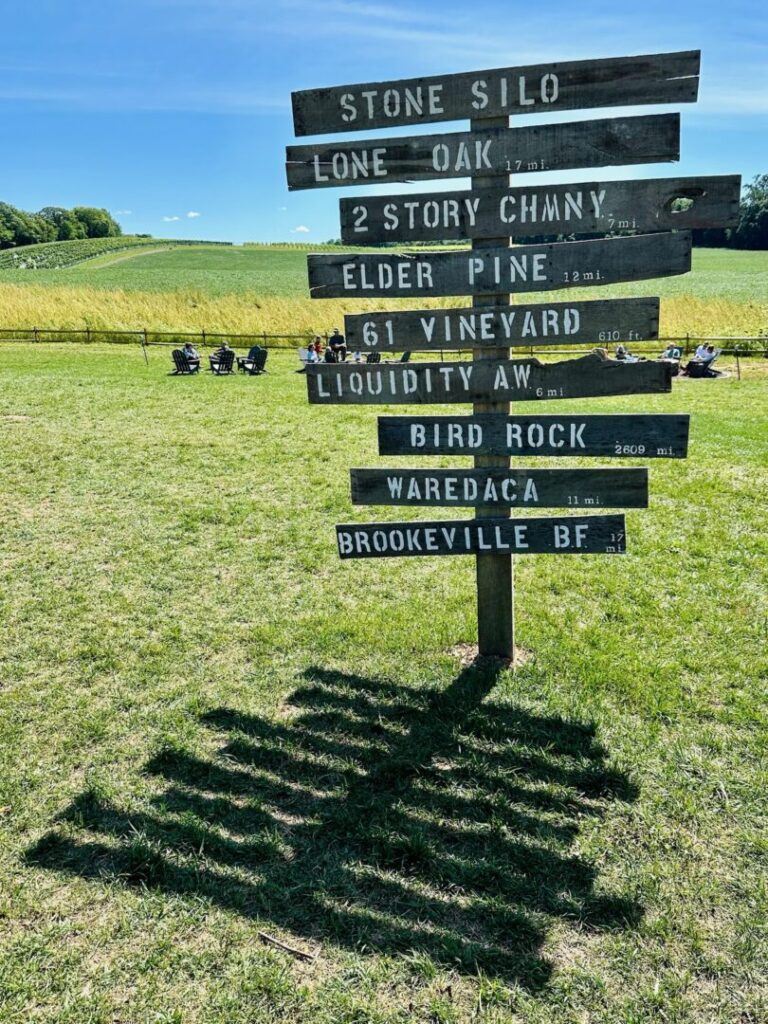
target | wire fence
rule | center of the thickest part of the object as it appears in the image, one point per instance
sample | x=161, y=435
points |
x=740, y=345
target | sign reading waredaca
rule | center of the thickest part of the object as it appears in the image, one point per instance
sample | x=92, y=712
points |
x=648, y=224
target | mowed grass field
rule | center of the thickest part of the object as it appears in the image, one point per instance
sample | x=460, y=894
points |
x=252, y=290
x=212, y=730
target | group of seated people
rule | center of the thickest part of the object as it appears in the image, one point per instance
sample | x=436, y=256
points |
x=699, y=366
x=334, y=352
x=218, y=357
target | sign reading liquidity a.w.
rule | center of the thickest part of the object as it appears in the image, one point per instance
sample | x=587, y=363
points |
x=524, y=268
x=488, y=380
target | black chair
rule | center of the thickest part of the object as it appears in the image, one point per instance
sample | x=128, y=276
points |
x=254, y=362
x=182, y=364
x=373, y=357
x=223, y=363
x=405, y=357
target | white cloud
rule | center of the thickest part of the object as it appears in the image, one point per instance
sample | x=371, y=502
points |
x=301, y=229
x=169, y=219
x=123, y=213
x=193, y=213
x=283, y=209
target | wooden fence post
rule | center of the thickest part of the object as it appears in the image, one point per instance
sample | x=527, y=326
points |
x=494, y=573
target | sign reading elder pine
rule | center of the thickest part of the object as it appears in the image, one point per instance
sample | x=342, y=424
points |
x=605, y=321
x=529, y=89
x=653, y=204
x=489, y=380
x=524, y=268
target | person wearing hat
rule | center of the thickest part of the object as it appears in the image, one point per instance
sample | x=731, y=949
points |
x=338, y=345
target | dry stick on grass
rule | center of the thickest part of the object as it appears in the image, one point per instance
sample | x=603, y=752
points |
x=300, y=953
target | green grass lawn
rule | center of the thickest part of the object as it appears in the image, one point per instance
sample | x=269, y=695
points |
x=211, y=728
x=224, y=270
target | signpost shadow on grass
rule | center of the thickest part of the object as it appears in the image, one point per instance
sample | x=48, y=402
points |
x=374, y=817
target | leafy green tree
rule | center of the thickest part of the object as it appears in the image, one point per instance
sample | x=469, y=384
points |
x=752, y=229
x=98, y=223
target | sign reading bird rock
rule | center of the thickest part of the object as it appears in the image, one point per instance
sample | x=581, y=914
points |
x=645, y=226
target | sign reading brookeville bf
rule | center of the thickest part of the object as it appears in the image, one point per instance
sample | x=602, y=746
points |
x=646, y=218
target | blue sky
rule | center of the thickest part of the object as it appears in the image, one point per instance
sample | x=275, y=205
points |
x=181, y=108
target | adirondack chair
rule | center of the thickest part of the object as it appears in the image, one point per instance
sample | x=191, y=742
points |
x=182, y=364
x=254, y=362
x=223, y=363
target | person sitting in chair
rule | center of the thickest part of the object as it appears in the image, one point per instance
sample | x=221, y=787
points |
x=671, y=353
x=191, y=354
x=215, y=357
x=338, y=345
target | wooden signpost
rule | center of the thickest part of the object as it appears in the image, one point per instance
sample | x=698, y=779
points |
x=488, y=215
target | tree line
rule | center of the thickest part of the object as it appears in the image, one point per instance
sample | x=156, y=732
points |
x=54, y=224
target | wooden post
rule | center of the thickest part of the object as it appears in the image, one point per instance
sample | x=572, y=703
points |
x=494, y=573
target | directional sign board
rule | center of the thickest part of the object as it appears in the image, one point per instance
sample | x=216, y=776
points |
x=504, y=488
x=524, y=268
x=602, y=322
x=616, y=436
x=563, y=535
x=489, y=380
x=652, y=204
x=651, y=222
x=549, y=147
x=530, y=89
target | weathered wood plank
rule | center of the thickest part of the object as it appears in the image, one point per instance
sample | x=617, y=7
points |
x=524, y=268
x=505, y=488
x=489, y=380
x=613, y=436
x=607, y=142
x=528, y=89
x=603, y=322
x=555, y=535
x=581, y=208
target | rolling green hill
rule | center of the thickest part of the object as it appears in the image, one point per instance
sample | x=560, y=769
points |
x=64, y=255
x=254, y=289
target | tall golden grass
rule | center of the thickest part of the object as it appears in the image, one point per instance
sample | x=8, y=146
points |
x=26, y=306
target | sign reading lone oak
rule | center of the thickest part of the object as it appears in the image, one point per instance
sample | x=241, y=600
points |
x=556, y=147
x=488, y=214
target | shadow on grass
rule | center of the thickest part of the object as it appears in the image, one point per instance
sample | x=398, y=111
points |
x=376, y=817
